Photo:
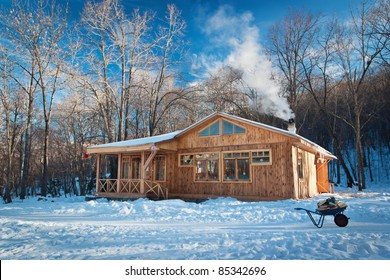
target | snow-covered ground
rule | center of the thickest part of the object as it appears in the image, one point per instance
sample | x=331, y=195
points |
x=217, y=229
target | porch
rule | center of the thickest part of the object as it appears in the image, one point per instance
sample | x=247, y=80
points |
x=131, y=172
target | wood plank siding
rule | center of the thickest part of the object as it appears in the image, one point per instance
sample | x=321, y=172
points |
x=271, y=181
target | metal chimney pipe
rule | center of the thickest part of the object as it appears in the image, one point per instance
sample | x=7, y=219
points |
x=291, y=126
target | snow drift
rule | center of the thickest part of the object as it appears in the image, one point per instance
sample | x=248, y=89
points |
x=217, y=229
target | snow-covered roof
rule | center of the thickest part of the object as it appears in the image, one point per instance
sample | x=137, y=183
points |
x=139, y=141
x=170, y=136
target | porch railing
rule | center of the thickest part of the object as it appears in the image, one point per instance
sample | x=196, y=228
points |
x=156, y=189
x=132, y=186
x=107, y=185
x=129, y=186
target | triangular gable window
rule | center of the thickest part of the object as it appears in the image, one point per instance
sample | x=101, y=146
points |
x=229, y=128
x=211, y=130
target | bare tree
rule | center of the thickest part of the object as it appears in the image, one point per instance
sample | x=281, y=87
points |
x=117, y=47
x=12, y=105
x=358, y=48
x=97, y=19
x=133, y=69
x=168, y=54
x=291, y=42
x=37, y=30
x=13, y=22
x=223, y=91
x=77, y=126
x=130, y=37
x=322, y=82
x=379, y=20
x=323, y=60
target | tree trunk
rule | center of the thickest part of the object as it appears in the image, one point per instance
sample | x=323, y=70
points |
x=45, y=159
x=359, y=154
x=26, y=150
x=7, y=195
x=344, y=166
x=369, y=164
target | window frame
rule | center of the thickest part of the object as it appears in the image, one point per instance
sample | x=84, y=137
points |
x=261, y=151
x=133, y=169
x=127, y=170
x=155, y=168
x=300, y=165
x=243, y=155
x=191, y=164
x=236, y=156
x=129, y=159
x=207, y=166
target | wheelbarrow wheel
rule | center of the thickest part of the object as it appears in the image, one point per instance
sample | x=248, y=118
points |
x=341, y=220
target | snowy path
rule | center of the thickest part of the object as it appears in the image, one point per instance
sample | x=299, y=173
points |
x=217, y=230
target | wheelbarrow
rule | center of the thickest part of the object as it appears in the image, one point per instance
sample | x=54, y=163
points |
x=339, y=218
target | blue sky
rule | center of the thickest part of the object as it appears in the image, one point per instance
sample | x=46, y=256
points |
x=198, y=12
x=265, y=12
x=233, y=33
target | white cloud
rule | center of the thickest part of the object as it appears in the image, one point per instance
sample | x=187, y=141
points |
x=236, y=43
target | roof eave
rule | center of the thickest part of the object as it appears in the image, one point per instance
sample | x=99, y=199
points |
x=315, y=149
x=122, y=149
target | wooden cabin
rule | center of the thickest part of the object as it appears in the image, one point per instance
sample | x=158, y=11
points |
x=220, y=155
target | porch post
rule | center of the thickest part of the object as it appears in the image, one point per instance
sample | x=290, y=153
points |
x=118, y=180
x=98, y=160
x=142, y=173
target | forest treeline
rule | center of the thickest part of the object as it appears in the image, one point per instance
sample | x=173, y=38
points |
x=112, y=75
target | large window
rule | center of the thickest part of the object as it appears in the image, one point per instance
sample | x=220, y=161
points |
x=135, y=167
x=207, y=167
x=125, y=168
x=236, y=166
x=131, y=167
x=159, y=168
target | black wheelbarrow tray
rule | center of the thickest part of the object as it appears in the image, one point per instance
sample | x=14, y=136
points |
x=339, y=218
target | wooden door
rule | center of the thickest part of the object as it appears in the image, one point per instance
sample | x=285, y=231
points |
x=322, y=177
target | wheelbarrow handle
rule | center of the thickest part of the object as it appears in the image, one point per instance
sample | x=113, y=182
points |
x=318, y=223
x=308, y=211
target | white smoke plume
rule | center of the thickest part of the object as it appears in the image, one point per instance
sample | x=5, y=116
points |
x=238, y=37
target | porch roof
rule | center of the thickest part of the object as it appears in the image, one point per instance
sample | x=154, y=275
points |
x=133, y=144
